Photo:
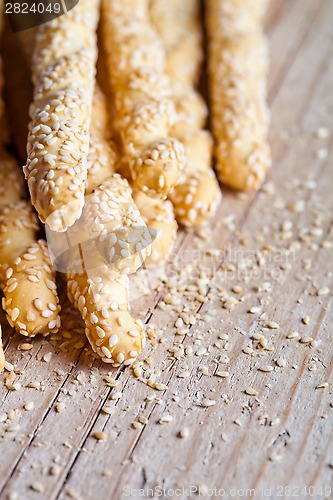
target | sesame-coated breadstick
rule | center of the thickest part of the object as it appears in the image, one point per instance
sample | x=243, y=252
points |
x=63, y=73
x=103, y=303
x=238, y=64
x=101, y=291
x=197, y=194
x=26, y=277
x=145, y=111
x=157, y=213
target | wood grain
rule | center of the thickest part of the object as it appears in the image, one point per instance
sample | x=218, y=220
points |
x=282, y=437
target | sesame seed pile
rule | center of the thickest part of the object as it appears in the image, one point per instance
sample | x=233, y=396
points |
x=63, y=72
x=238, y=62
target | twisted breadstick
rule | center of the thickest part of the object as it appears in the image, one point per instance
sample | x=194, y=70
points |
x=101, y=291
x=63, y=74
x=238, y=62
x=197, y=194
x=26, y=277
x=144, y=109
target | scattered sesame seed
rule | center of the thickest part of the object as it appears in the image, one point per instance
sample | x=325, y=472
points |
x=251, y=392
x=281, y=362
x=323, y=291
x=108, y=410
x=60, y=407
x=116, y=395
x=38, y=487
x=293, y=335
x=47, y=357
x=306, y=319
x=266, y=368
x=273, y=325
x=100, y=435
x=165, y=419
x=29, y=406
x=26, y=347
x=254, y=310
x=322, y=386
x=161, y=387
x=184, y=433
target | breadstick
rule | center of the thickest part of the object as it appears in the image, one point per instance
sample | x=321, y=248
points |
x=158, y=214
x=101, y=290
x=238, y=65
x=178, y=25
x=28, y=282
x=145, y=111
x=102, y=301
x=63, y=73
x=104, y=160
x=197, y=195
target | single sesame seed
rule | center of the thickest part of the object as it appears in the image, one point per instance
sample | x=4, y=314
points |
x=47, y=357
x=26, y=347
x=306, y=319
x=266, y=368
x=322, y=386
x=251, y=392
x=15, y=314
x=293, y=335
x=184, y=433
x=47, y=313
x=206, y=403
x=281, y=362
x=273, y=325
x=100, y=435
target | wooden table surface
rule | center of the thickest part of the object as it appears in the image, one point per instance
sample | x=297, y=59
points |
x=228, y=400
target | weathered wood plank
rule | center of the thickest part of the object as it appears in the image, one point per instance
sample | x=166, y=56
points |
x=217, y=450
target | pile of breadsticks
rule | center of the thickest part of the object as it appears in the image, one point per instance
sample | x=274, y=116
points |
x=118, y=154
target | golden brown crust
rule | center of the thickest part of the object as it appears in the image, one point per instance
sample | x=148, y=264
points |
x=238, y=62
x=102, y=299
